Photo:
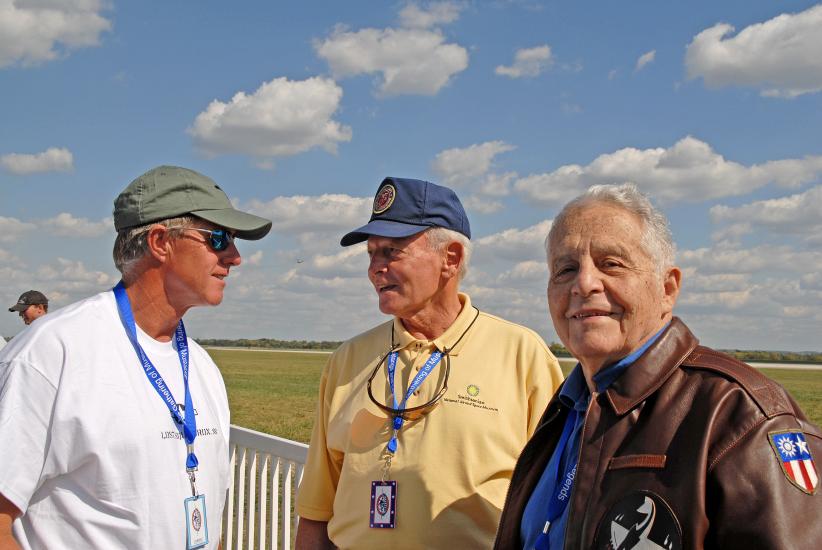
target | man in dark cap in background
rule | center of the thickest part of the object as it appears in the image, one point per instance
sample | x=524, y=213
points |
x=114, y=425
x=421, y=419
x=31, y=305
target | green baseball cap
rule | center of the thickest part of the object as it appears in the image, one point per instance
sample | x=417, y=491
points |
x=170, y=191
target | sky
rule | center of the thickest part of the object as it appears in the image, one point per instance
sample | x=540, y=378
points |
x=300, y=109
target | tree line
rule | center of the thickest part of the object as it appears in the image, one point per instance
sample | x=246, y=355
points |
x=270, y=343
x=753, y=356
x=756, y=356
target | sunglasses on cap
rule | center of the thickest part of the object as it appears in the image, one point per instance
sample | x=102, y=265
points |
x=218, y=239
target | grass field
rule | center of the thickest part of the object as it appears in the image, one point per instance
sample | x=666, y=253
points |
x=276, y=392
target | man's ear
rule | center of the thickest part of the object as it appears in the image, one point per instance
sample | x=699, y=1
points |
x=671, y=281
x=454, y=256
x=158, y=240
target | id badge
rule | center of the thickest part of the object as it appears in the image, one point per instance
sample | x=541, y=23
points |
x=383, y=504
x=196, y=522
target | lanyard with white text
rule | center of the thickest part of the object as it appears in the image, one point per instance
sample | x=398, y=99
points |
x=189, y=422
x=562, y=487
x=432, y=362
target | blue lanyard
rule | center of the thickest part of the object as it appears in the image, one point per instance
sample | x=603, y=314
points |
x=189, y=423
x=559, y=500
x=432, y=362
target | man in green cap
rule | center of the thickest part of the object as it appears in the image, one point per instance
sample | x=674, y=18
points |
x=114, y=425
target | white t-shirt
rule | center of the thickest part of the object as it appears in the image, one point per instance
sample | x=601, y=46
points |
x=89, y=451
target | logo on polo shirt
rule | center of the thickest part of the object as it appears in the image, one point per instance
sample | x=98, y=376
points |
x=385, y=198
x=470, y=397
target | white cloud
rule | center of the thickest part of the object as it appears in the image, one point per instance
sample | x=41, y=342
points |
x=34, y=31
x=470, y=168
x=731, y=233
x=570, y=108
x=12, y=228
x=688, y=171
x=351, y=261
x=74, y=274
x=409, y=61
x=461, y=166
x=519, y=301
x=782, y=56
x=811, y=281
x=515, y=244
x=731, y=300
x=481, y=205
x=434, y=14
x=299, y=214
x=65, y=224
x=528, y=62
x=53, y=159
x=254, y=259
x=282, y=118
x=644, y=59
x=530, y=274
x=799, y=214
x=729, y=293
x=765, y=258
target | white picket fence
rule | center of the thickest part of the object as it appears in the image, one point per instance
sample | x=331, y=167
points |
x=267, y=471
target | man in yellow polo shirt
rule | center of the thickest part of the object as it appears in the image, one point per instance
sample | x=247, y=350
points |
x=421, y=419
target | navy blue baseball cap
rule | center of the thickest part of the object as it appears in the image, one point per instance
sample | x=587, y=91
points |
x=404, y=207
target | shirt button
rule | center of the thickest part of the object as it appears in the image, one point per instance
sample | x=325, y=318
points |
x=417, y=367
x=418, y=391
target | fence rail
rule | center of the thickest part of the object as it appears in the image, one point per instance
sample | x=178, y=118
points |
x=266, y=473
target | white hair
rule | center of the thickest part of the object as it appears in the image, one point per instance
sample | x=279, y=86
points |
x=656, y=238
x=440, y=237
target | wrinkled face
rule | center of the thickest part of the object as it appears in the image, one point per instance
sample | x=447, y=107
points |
x=195, y=274
x=406, y=273
x=32, y=312
x=605, y=295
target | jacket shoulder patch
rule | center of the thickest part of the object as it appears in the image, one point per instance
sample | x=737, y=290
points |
x=768, y=395
x=795, y=458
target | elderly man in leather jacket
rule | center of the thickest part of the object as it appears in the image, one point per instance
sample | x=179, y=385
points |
x=653, y=441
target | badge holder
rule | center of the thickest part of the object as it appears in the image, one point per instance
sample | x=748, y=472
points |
x=383, y=504
x=196, y=518
x=384, y=492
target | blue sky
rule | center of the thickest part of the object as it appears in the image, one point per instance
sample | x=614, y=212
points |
x=299, y=110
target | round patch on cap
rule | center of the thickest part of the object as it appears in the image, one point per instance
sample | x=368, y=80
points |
x=639, y=520
x=384, y=199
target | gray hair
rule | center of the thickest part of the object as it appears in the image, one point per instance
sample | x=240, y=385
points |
x=131, y=245
x=657, y=240
x=440, y=237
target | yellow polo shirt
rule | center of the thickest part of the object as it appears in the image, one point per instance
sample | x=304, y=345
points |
x=453, y=465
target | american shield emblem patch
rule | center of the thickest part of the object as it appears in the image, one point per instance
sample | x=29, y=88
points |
x=795, y=458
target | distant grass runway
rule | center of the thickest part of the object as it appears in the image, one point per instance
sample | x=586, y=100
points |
x=276, y=393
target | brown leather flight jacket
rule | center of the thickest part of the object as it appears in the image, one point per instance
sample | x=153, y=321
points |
x=680, y=452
